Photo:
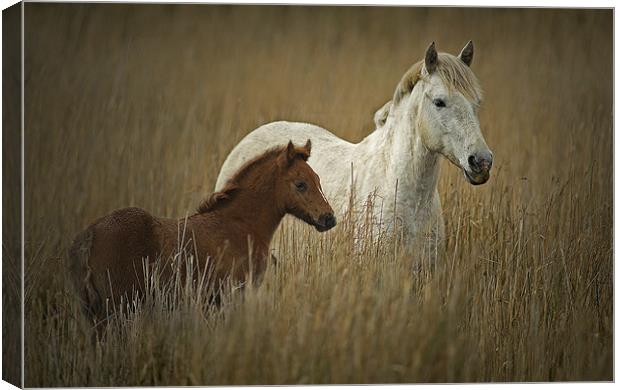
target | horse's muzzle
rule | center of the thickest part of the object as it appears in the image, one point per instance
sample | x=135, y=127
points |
x=479, y=168
x=477, y=178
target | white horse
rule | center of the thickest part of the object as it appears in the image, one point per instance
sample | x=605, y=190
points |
x=433, y=112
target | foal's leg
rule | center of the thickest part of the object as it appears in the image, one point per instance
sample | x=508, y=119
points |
x=215, y=300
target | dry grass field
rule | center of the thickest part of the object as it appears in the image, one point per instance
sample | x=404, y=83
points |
x=139, y=105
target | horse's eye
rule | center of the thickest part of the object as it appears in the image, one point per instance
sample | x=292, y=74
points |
x=301, y=186
x=439, y=103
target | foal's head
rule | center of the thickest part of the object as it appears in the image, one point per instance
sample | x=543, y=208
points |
x=283, y=181
x=298, y=188
x=444, y=95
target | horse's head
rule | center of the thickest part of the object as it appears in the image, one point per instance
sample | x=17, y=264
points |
x=444, y=94
x=300, y=189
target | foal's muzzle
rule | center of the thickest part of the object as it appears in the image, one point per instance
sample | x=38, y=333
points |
x=479, y=167
x=326, y=221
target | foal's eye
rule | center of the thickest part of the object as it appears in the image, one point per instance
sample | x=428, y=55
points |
x=439, y=103
x=301, y=186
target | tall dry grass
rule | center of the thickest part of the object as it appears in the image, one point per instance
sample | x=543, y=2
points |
x=139, y=105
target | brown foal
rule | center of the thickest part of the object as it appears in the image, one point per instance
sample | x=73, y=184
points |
x=231, y=232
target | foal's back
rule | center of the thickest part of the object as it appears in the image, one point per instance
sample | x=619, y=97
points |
x=107, y=259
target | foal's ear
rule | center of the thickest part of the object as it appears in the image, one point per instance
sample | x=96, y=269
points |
x=430, y=60
x=290, y=152
x=293, y=153
x=467, y=54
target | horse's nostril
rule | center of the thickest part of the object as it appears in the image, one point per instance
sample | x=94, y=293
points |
x=472, y=161
x=480, y=162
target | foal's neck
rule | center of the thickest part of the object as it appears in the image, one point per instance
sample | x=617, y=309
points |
x=254, y=213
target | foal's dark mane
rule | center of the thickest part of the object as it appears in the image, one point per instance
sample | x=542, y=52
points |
x=216, y=199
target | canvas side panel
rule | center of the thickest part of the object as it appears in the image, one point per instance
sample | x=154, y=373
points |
x=11, y=196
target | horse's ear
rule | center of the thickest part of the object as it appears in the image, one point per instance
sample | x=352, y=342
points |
x=290, y=152
x=308, y=147
x=467, y=54
x=430, y=60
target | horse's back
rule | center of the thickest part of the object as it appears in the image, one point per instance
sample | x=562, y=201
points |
x=324, y=145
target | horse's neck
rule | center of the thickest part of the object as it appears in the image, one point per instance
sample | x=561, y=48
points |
x=403, y=156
